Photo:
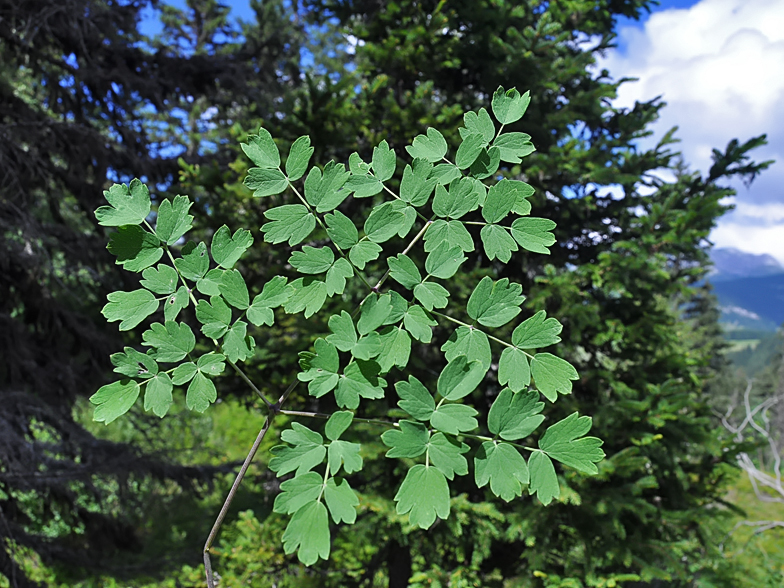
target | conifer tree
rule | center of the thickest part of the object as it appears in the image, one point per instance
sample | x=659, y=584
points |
x=85, y=98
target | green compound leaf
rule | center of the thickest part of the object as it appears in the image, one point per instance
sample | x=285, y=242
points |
x=417, y=185
x=129, y=205
x=299, y=157
x=472, y=343
x=374, y=312
x=359, y=379
x=343, y=336
x=544, y=482
x=453, y=233
x=523, y=192
x=364, y=252
x=275, y=293
x=337, y=275
x=215, y=317
x=384, y=162
x=445, y=173
x=497, y=243
x=341, y=230
x=461, y=198
x=536, y=332
x=209, y=285
x=515, y=416
x=175, y=303
x=502, y=466
x=514, y=146
x=345, y=454
x=290, y=222
x=227, y=249
x=444, y=261
x=234, y=290
x=386, y=221
x=469, y=150
x=184, y=373
x=552, y=375
x=134, y=364
x=410, y=440
x=337, y=424
x=308, y=534
x=135, y=248
x=356, y=165
x=211, y=364
x=326, y=356
x=431, y=147
x=307, y=294
x=265, y=182
x=533, y=234
x=480, y=123
x=237, y=345
x=158, y=395
x=501, y=199
x=261, y=150
x=486, y=164
x=363, y=185
x=454, y=419
x=312, y=260
x=173, y=219
x=367, y=347
x=510, y=106
x=431, y=295
x=194, y=262
x=172, y=341
x=395, y=348
x=419, y=324
x=564, y=442
x=129, y=307
x=323, y=191
x=399, y=308
x=297, y=492
x=513, y=369
x=424, y=494
x=446, y=455
x=404, y=271
x=321, y=368
x=341, y=501
x=307, y=452
x=114, y=400
x=161, y=280
x=493, y=304
x=415, y=399
x=459, y=378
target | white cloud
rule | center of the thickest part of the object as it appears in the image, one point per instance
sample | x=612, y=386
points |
x=752, y=239
x=719, y=65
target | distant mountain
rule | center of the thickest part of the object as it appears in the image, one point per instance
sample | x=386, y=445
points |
x=730, y=263
x=750, y=289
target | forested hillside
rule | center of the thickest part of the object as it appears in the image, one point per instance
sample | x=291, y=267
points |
x=87, y=100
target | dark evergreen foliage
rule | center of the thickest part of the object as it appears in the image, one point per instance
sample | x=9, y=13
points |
x=85, y=98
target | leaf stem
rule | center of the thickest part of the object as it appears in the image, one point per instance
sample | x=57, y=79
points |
x=393, y=424
x=405, y=251
x=472, y=327
x=396, y=197
x=250, y=383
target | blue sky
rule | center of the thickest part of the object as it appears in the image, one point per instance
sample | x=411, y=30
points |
x=719, y=64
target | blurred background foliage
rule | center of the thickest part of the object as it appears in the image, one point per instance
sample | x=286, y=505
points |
x=87, y=98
